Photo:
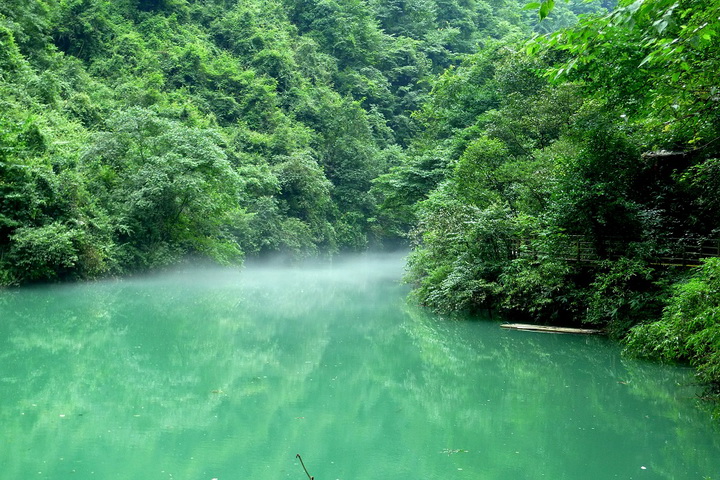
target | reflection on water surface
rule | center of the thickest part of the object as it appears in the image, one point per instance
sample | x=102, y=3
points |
x=216, y=373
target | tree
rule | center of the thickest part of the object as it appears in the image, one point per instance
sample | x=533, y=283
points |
x=170, y=188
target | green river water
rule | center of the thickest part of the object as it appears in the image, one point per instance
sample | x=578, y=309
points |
x=210, y=373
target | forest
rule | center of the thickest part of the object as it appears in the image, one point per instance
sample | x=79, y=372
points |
x=551, y=161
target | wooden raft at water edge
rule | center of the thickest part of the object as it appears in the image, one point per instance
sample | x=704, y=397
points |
x=551, y=329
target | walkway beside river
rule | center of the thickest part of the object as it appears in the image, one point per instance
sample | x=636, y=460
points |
x=682, y=252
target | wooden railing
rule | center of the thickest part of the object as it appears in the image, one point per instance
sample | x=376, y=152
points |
x=577, y=248
x=689, y=254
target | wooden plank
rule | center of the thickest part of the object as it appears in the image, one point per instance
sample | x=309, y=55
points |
x=551, y=329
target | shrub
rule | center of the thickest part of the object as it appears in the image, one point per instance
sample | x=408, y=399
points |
x=44, y=252
x=689, y=329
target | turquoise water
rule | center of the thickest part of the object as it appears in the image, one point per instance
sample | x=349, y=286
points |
x=211, y=373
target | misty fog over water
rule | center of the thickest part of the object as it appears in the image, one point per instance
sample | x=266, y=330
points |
x=206, y=372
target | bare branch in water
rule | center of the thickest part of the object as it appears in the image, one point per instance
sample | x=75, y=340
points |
x=303, y=465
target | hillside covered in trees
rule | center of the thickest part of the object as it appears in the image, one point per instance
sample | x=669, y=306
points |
x=136, y=133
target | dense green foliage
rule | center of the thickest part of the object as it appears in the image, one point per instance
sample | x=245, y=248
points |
x=138, y=132
x=690, y=325
x=556, y=175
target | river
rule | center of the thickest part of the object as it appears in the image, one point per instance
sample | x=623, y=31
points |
x=209, y=373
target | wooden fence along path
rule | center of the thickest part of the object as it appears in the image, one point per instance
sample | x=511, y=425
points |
x=682, y=252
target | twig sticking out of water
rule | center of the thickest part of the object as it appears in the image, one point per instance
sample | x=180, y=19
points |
x=303, y=465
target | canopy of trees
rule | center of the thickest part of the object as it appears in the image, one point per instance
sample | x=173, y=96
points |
x=135, y=133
